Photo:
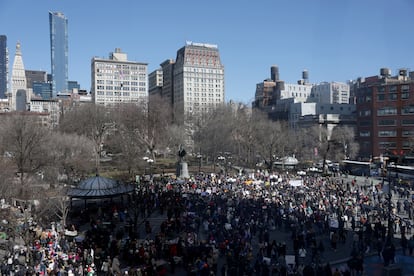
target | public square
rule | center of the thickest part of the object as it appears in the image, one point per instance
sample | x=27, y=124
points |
x=259, y=224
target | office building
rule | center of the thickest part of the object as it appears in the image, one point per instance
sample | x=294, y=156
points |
x=20, y=95
x=43, y=90
x=4, y=66
x=385, y=114
x=58, y=24
x=49, y=109
x=118, y=80
x=73, y=86
x=167, y=68
x=328, y=115
x=198, y=81
x=330, y=93
x=265, y=96
x=274, y=96
x=33, y=76
x=273, y=90
x=155, y=83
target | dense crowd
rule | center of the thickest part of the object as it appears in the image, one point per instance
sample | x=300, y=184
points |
x=216, y=225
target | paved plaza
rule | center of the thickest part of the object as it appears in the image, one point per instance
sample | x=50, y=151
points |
x=263, y=243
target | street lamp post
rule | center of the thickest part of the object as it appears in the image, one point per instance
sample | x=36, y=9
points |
x=150, y=161
x=222, y=160
x=390, y=229
x=390, y=220
x=199, y=156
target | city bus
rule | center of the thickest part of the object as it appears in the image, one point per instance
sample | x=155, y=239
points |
x=360, y=168
x=401, y=172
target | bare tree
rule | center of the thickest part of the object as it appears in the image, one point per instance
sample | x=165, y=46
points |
x=243, y=138
x=56, y=208
x=176, y=136
x=146, y=128
x=23, y=141
x=124, y=144
x=213, y=134
x=7, y=173
x=72, y=157
x=337, y=145
x=343, y=138
x=271, y=139
x=93, y=121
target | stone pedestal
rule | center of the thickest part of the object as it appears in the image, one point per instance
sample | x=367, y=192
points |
x=182, y=170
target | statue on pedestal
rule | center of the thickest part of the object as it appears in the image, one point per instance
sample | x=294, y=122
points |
x=182, y=168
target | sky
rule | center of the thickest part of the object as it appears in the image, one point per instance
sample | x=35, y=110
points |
x=335, y=40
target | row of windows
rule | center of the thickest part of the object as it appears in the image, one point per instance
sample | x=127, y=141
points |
x=203, y=70
x=382, y=97
x=332, y=108
x=405, y=122
x=124, y=88
x=196, y=100
x=295, y=95
x=203, y=94
x=119, y=73
x=203, y=90
x=392, y=88
x=196, y=80
x=393, y=145
x=387, y=145
x=391, y=96
x=202, y=61
x=204, y=102
x=123, y=94
x=118, y=77
x=387, y=133
x=121, y=83
x=103, y=65
x=384, y=111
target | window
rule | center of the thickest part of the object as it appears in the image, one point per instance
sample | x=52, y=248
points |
x=407, y=122
x=363, y=113
x=387, y=133
x=365, y=133
x=406, y=144
x=393, y=96
x=387, y=122
x=408, y=133
x=387, y=111
x=405, y=95
x=364, y=123
x=387, y=145
x=380, y=97
x=407, y=109
x=405, y=88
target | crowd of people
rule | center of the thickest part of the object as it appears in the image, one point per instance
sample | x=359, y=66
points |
x=217, y=225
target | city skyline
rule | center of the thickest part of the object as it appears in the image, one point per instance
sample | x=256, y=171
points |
x=334, y=41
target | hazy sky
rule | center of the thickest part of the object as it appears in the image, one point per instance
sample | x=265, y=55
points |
x=335, y=40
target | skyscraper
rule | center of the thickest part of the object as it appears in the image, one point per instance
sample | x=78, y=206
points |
x=19, y=94
x=4, y=66
x=198, y=81
x=59, y=52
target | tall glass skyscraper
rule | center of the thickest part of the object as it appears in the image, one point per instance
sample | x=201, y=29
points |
x=4, y=66
x=59, y=52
